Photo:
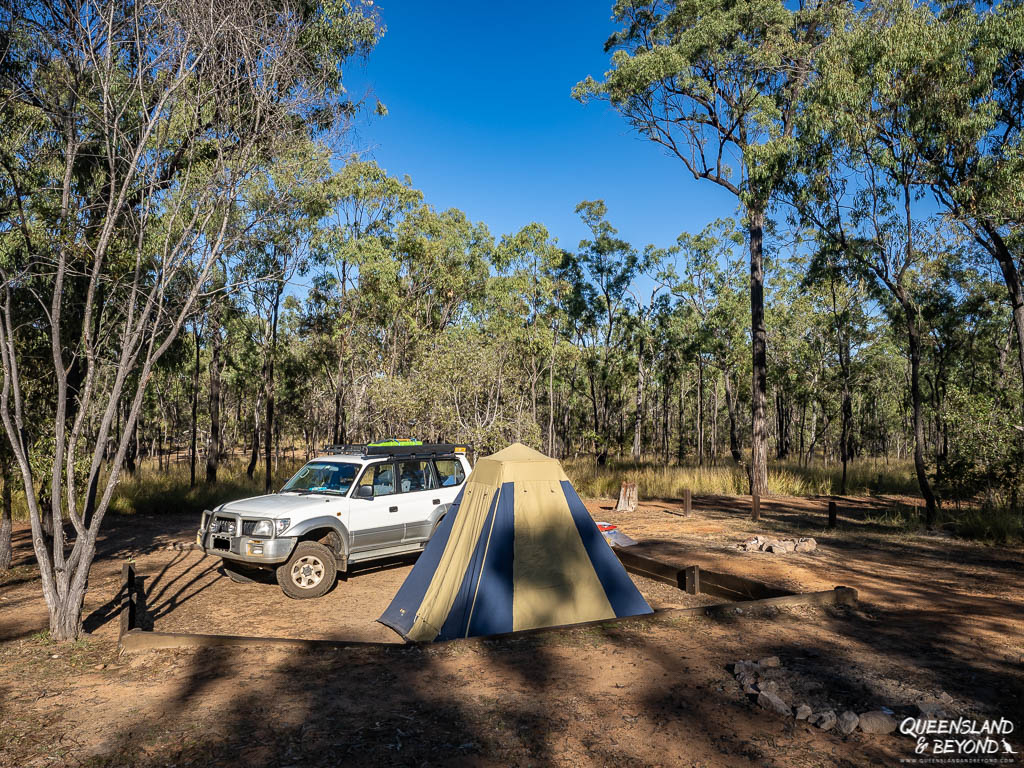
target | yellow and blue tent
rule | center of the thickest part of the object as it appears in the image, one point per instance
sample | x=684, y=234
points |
x=517, y=550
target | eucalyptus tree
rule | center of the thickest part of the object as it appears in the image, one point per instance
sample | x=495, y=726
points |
x=867, y=170
x=708, y=285
x=600, y=274
x=971, y=126
x=435, y=269
x=523, y=306
x=147, y=120
x=366, y=205
x=719, y=86
x=278, y=216
x=647, y=298
x=840, y=295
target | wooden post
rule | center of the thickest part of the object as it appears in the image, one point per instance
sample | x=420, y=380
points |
x=687, y=502
x=831, y=514
x=692, y=579
x=756, y=508
x=127, y=598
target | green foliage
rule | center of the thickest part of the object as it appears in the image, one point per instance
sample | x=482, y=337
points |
x=985, y=453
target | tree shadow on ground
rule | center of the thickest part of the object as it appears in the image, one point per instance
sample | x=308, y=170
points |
x=639, y=692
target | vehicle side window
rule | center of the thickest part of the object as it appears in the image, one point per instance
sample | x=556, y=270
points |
x=449, y=472
x=381, y=477
x=415, y=476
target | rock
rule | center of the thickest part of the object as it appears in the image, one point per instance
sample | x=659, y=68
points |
x=769, y=662
x=771, y=701
x=806, y=545
x=100, y=666
x=751, y=690
x=929, y=709
x=825, y=720
x=876, y=722
x=848, y=722
x=945, y=698
x=802, y=712
x=748, y=678
x=740, y=668
x=768, y=686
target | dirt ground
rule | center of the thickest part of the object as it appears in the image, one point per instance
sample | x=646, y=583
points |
x=940, y=622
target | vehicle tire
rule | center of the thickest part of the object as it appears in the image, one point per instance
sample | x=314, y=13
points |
x=237, y=573
x=310, y=572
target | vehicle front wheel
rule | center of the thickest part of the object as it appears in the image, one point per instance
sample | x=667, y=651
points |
x=310, y=572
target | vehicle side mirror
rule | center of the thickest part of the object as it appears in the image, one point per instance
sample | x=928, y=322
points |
x=365, y=492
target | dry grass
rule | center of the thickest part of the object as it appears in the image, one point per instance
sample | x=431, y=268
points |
x=151, y=490
x=660, y=481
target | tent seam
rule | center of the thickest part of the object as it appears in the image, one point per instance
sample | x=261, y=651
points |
x=483, y=563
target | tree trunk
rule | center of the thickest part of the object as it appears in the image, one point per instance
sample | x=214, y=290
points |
x=133, y=451
x=700, y=411
x=268, y=426
x=338, y=436
x=195, y=411
x=914, y=341
x=551, y=402
x=813, y=441
x=714, y=426
x=759, y=344
x=665, y=417
x=730, y=405
x=214, y=450
x=254, y=455
x=847, y=411
x=1011, y=276
x=6, y=513
x=681, y=444
x=639, y=423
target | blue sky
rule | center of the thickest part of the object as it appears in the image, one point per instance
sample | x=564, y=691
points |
x=481, y=117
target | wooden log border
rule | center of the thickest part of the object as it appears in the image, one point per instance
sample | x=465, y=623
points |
x=692, y=579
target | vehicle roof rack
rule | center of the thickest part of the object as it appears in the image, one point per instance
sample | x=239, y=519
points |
x=407, y=451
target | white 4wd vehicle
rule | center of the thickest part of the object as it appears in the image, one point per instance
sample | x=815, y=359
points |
x=352, y=504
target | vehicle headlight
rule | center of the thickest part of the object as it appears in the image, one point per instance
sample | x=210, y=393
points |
x=263, y=528
x=282, y=525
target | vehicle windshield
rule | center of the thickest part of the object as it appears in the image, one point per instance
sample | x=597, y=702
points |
x=323, y=477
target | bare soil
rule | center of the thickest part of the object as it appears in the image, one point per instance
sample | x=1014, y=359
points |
x=939, y=620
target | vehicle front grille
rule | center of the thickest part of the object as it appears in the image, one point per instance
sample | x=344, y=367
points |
x=221, y=525
x=247, y=527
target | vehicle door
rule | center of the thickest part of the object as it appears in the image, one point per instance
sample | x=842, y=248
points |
x=450, y=477
x=417, y=498
x=375, y=522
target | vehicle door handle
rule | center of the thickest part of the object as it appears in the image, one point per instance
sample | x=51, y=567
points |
x=392, y=509
x=436, y=501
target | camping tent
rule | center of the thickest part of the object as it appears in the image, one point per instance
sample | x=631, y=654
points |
x=517, y=550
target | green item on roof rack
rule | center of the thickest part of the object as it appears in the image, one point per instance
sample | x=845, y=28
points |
x=394, y=442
